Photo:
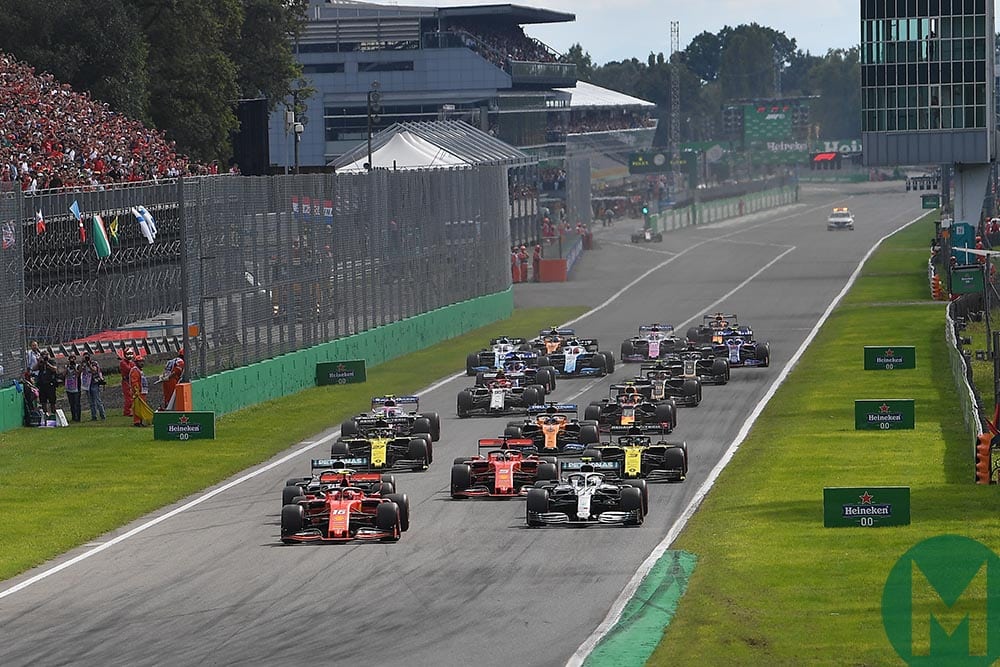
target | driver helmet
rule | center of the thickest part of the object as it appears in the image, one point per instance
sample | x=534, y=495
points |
x=516, y=366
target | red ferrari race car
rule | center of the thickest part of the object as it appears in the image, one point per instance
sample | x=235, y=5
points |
x=337, y=472
x=507, y=471
x=344, y=514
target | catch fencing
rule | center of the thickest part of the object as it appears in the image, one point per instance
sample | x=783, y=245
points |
x=264, y=265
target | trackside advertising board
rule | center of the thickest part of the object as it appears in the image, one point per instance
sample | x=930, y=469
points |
x=866, y=506
x=341, y=372
x=890, y=357
x=883, y=415
x=184, y=426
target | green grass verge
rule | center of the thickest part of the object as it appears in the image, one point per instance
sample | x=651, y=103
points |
x=772, y=585
x=106, y=474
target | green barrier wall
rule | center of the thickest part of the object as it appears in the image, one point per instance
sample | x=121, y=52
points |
x=11, y=409
x=240, y=387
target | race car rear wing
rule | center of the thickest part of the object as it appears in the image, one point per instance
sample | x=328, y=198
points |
x=730, y=318
x=399, y=401
x=556, y=332
x=508, y=339
x=637, y=429
x=588, y=466
x=506, y=443
x=552, y=408
x=662, y=328
x=373, y=420
x=345, y=463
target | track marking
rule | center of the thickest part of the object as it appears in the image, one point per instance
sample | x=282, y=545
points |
x=580, y=655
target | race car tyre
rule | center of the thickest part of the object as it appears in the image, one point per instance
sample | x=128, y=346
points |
x=389, y=479
x=589, y=434
x=293, y=518
x=643, y=489
x=471, y=362
x=658, y=238
x=387, y=520
x=592, y=454
x=403, y=502
x=385, y=489
x=480, y=379
x=349, y=429
x=763, y=354
x=691, y=388
x=666, y=413
x=512, y=432
x=421, y=425
x=418, y=452
x=537, y=502
x=546, y=472
x=461, y=459
x=632, y=502
x=465, y=403
x=543, y=362
x=720, y=369
x=600, y=363
x=592, y=412
x=435, y=420
x=635, y=238
x=549, y=459
x=674, y=459
x=339, y=449
x=297, y=481
x=533, y=395
x=550, y=378
x=609, y=362
x=290, y=492
x=461, y=478
x=628, y=349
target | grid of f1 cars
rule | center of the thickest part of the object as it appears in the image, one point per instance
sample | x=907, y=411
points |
x=569, y=471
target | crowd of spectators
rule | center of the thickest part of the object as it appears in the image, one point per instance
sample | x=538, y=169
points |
x=52, y=136
x=553, y=179
x=499, y=44
x=603, y=122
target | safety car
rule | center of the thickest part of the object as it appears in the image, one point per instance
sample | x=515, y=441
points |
x=507, y=470
x=840, y=218
x=587, y=493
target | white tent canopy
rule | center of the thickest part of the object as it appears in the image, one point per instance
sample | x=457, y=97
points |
x=406, y=150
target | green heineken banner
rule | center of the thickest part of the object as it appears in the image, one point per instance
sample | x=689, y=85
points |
x=340, y=372
x=883, y=415
x=184, y=426
x=866, y=506
x=930, y=201
x=890, y=358
x=967, y=279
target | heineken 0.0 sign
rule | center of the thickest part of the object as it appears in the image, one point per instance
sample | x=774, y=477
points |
x=890, y=357
x=340, y=372
x=883, y=415
x=967, y=279
x=866, y=506
x=184, y=426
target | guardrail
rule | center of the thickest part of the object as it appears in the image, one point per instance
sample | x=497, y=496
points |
x=723, y=209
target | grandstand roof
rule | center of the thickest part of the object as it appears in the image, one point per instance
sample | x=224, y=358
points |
x=454, y=137
x=587, y=95
x=518, y=14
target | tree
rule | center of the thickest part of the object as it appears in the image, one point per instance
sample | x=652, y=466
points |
x=263, y=53
x=747, y=67
x=703, y=56
x=581, y=58
x=836, y=78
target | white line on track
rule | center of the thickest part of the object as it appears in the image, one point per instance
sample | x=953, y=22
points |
x=45, y=574
x=577, y=659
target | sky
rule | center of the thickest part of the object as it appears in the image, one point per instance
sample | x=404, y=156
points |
x=621, y=29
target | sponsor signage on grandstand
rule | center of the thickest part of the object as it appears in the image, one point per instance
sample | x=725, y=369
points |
x=340, y=372
x=883, y=415
x=967, y=279
x=866, y=506
x=649, y=163
x=890, y=357
x=184, y=426
x=312, y=209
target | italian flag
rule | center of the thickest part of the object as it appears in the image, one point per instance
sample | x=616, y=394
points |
x=100, y=234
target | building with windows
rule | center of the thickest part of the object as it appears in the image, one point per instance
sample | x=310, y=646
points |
x=427, y=64
x=927, y=81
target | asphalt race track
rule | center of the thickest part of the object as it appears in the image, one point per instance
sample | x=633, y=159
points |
x=469, y=583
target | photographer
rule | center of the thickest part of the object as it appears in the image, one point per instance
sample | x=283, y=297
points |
x=91, y=381
x=48, y=380
x=71, y=378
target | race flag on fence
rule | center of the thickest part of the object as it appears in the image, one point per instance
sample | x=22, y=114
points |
x=101, y=243
x=39, y=223
x=113, y=230
x=143, y=225
x=148, y=217
x=8, y=236
x=74, y=208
